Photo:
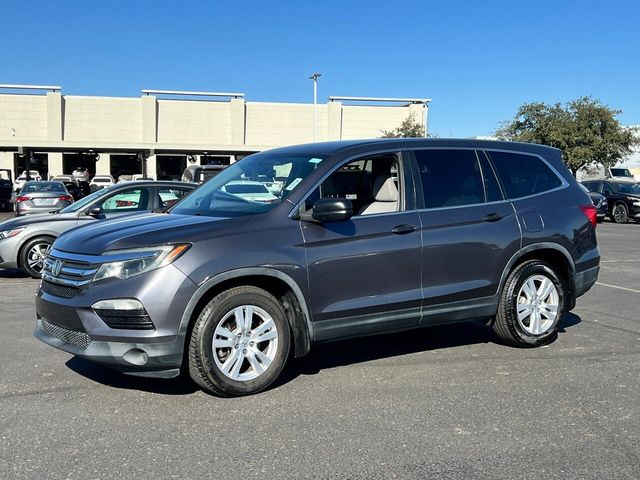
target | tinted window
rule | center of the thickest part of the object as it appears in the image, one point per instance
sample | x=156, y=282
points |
x=628, y=188
x=126, y=201
x=606, y=188
x=169, y=196
x=43, y=187
x=450, y=178
x=524, y=175
x=373, y=185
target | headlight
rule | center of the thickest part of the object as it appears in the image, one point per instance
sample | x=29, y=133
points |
x=10, y=233
x=139, y=261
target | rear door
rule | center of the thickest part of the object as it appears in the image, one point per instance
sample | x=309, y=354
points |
x=136, y=199
x=468, y=230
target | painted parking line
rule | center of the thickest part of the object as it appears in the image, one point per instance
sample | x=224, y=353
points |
x=616, y=286
x=625, y=260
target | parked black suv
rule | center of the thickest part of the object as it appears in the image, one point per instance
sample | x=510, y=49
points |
x=623, y=197
x=365, y=237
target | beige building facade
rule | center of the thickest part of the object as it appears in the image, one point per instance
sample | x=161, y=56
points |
x=160, y=132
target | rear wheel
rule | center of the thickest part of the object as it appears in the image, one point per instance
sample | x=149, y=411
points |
x=239, y=343
x=532, y=305
x=620, y=213
x=32, y=255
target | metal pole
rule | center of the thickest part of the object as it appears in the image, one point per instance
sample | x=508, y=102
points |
x=315, y=108
x=314, y=77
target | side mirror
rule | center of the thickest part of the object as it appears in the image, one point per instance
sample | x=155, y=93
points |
x=328, y=210
x=94, y=211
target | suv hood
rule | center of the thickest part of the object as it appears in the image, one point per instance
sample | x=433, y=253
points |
x=141, y=231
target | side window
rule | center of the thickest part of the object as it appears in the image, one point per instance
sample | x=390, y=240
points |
x=373, y=184
x=127, y=201
x=491, y=185
x=450, y=178
x=523, y=175
x=170, y=196
x=606, y=188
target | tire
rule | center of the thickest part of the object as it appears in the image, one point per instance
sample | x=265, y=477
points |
x=619, y=214
x=218, y=319
x=527, y=332
x=28, y=253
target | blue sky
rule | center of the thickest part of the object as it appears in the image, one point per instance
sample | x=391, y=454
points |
x=478, y=61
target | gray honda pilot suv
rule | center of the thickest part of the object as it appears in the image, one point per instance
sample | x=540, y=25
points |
x=362, y=237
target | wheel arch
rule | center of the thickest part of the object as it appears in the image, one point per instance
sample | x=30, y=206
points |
x=551, y=253
x=279, y=284
x=26, y=240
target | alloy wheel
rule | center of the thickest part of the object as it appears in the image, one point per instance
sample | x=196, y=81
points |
x=245, y=343
x=537, y=304
x=37, y=255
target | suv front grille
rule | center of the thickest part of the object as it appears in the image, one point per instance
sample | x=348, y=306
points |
x=63, y=269
x=59, y=290
x=79, y=339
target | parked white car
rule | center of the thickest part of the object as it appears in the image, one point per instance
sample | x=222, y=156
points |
x=20, y=181
x=250, y=190
x=101, y=181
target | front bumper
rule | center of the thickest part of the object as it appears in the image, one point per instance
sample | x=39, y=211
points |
x=71, y=325
x=143, y=359
x=9, y=251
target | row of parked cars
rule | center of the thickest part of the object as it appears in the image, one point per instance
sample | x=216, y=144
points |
x=616, y=198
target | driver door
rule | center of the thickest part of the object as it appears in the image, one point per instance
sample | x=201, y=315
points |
x=365, y=272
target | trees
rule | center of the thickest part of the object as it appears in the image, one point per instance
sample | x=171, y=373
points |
x=408, y=128
x=586, y=131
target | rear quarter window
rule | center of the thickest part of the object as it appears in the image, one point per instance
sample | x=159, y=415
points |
x=523, y=175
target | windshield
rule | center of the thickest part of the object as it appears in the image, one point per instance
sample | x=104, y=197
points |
x=80, y=204
x=628, y=188
x=43, y=187
x=219, y=197
x=621, y=172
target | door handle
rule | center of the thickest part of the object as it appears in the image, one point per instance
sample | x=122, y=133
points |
x=402, y=229
x=493, y=217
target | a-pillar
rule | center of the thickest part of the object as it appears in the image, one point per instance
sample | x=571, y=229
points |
x=55, y=164
x=103, y=165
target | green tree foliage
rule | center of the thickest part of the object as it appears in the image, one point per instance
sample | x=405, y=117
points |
x=408, y=128
x=584, y=129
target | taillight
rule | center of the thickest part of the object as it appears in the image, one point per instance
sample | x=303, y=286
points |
x=66, y=198
x=591, y=213
x=22, y=199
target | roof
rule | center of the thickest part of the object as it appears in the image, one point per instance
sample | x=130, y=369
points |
x=329, y=148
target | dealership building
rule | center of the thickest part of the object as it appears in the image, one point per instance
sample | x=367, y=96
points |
x=160, y=132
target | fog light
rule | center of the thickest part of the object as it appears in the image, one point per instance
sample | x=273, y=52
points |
x=123, y=313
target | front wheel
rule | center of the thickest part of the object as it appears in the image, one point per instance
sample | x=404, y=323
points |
x=32, y=255
x=239, y=343
x=532, y=305
x=620, y=214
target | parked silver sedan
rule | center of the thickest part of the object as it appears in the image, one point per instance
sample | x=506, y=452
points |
x=42, y=197
x=25, y=241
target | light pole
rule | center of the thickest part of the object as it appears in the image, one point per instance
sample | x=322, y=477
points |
x=314, y=77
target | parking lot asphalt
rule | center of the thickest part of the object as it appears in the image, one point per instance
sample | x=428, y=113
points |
x=445, y=402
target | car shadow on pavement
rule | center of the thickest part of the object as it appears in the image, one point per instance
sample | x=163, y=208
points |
x=322, y=356
x=364, y=349
x=106, y=376
x=13, y=274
